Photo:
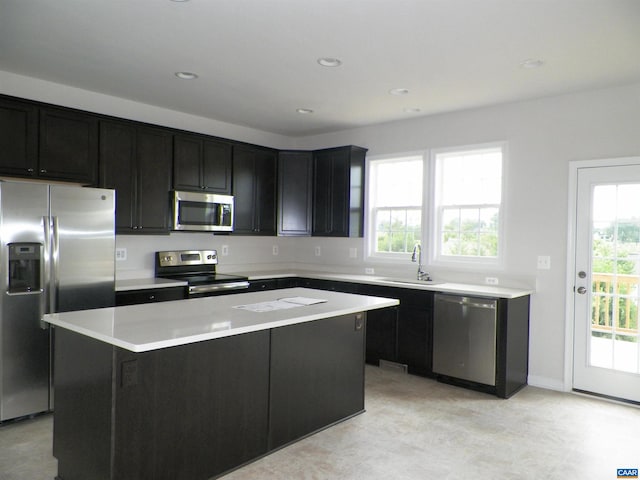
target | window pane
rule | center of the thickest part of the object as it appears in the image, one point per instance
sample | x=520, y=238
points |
x=468, y=197
x=451, y=219
x=383, y=220
x=399, y=183
x=382, y=242
x=488, y=245
x=398, y=220
x=469, y=220
x=489, y=219
x=471, y=177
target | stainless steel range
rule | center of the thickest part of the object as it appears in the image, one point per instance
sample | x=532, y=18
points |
x=198, y=269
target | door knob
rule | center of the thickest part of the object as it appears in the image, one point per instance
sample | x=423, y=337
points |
x=582, y=290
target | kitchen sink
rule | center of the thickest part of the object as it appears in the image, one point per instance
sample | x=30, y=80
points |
x=410, y=282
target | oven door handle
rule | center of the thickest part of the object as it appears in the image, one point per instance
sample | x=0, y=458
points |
x=216, y=287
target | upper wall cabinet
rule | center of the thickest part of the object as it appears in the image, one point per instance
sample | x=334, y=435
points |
x=338, y=192
x=201, y=164
x=254, y=190
x=18, y=138
x=47, y=142
x=68, y=145
x=136, y=161
x=295, y=180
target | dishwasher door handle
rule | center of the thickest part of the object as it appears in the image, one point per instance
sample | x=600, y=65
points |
x=466, y=302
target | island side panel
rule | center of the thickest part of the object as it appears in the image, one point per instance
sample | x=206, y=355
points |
x=82, y=419
x=317, y=376
x=194, y=411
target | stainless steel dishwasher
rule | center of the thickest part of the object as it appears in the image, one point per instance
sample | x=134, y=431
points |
x=464, y=338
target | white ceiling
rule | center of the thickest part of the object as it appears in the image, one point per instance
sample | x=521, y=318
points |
x=256, y=59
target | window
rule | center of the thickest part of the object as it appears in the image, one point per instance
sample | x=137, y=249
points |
x=395, y=192
x=467, y=204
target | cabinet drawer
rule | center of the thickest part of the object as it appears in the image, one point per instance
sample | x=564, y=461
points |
x=133, y=297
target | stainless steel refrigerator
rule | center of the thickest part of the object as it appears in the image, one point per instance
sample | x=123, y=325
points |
x=57, y=253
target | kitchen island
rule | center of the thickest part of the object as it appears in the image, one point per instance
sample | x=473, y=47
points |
x=191, y=389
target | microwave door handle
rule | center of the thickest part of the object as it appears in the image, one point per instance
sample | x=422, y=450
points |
x=220, y=214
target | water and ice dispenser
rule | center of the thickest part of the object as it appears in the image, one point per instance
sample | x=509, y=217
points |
x=25, y=261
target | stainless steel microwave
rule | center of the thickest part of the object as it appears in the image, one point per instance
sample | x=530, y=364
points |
x=202, y=212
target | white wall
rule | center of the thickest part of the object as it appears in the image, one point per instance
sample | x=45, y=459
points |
x=543, y=136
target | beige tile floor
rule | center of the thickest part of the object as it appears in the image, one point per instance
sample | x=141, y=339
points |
x=418, y=429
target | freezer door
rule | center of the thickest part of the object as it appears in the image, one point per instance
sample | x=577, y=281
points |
x=24, y=345
x=83, y=248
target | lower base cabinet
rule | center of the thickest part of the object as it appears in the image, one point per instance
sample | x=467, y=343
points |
x=196, y=411
x=317, y=376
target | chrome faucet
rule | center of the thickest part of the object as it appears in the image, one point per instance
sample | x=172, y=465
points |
x=416, y=256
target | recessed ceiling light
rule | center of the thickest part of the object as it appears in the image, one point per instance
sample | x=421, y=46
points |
x=329, y=62
x=304, y=111
x=532, y=63
x=399, y=91
x=186, y=75
x=412, y=110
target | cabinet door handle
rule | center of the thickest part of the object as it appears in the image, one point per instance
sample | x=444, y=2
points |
x=43, y=170
x=30, y=170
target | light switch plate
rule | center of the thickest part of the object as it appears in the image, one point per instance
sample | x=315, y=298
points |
x=225, y=250
x=121, y=254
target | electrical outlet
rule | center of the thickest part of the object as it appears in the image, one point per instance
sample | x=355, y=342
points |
x=121, y=254
x=225, y=250
x=353, y=252
x=318, y=251
x=544, y=262
x=275, y=250
x=491, y=280
x=369, y=271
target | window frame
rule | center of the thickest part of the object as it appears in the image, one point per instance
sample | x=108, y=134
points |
x=436, y=257
x=372, y=208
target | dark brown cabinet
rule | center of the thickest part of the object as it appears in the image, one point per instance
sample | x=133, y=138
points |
x=415, y=330
x=201, y=164
x=68, y=148
x=47, y=142
x=180, y=413
x=136, y=161
x=254, y=189
x=150, y=295
x=317, y=376
x=295, y=181
x=18, y=138
x=338, y=192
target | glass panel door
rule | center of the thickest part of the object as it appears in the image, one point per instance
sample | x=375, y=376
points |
x=606, y=348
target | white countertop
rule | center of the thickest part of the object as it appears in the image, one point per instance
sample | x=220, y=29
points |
x=453, y=288
x=151, y=326
x=147, y=283
x=444, y=287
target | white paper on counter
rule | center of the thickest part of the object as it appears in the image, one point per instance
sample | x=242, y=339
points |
x=280, y=304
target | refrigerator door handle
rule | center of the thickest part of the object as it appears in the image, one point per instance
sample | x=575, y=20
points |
x=54, y=280
x=45, y=270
